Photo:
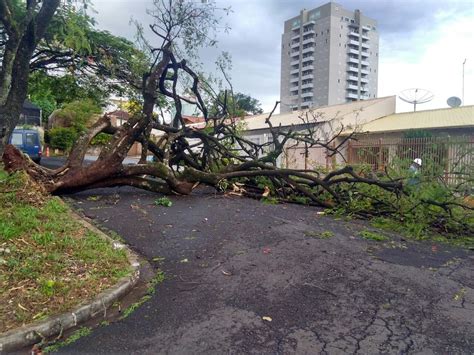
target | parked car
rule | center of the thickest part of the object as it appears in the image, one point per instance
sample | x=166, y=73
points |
x=28, y=141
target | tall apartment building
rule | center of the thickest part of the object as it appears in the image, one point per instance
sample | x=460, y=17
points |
x=329, y=56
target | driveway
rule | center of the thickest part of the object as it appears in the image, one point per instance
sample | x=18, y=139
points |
x=248, y=278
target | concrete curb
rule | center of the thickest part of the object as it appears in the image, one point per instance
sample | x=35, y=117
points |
x=32, y=334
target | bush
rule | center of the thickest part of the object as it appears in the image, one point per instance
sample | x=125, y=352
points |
x=62, y=138
x=101, y=139
x=78, y=114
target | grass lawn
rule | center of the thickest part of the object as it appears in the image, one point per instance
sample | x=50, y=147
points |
x=49, y=263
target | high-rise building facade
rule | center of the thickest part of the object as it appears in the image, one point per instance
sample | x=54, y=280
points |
x=329, y=56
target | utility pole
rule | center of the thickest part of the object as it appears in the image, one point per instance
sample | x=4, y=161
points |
x=463, y=80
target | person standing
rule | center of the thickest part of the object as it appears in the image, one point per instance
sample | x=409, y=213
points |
x=414, y=172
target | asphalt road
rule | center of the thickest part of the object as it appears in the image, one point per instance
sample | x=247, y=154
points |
x=247, y=278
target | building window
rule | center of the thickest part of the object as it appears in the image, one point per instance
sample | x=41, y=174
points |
x=315, y=15
x=338, y=80
x=326, y=40
x=339, y=35
x=328, y=30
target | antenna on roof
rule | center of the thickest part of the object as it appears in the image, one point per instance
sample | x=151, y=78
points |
x=416, y=96
x=454, y=101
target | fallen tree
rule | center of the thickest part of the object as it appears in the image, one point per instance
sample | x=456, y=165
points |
x=218, y=155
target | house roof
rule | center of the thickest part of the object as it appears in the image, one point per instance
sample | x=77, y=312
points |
x=29, y=105
x=323, y=113
x=124, y=115
x=429, y=119
x=193, y=119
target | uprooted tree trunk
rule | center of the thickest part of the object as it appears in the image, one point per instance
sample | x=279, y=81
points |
x=220, y=156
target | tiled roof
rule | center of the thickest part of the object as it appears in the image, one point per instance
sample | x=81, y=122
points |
x=124, y=115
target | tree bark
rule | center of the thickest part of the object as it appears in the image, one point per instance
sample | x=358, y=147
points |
x=23, y=37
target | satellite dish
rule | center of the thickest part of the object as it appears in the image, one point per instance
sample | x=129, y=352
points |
x=416, y=96
x=454, y=101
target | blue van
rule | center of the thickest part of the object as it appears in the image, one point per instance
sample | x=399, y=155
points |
x=28, y=141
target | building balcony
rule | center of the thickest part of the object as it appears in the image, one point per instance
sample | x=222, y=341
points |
x=353, y=51
x=307, y=86
x=354, y=43
x=308, y=50
x=365, y=37
x=307, y=77
x=308, y=59
x=364, y=89
x=364, y=71
x=309, y=23
x=364, y=54
x=295, y=37
x=295, y=71
x=351, y=95
x=309, y=40
x=366, y=28
x=353, y=69
x=353, y=60
x=364, y=62
x=365, y=45
x=295, y=62
x=352, y=87
x=294, y=80
x=353, y=78
x=307, y=67
x=295, y=54
x=295, y=45
x=308, y=31
x=306, y=94
x=364, y=80
x=354, y=34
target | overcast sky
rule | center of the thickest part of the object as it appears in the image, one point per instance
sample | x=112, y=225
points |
x=422, y=43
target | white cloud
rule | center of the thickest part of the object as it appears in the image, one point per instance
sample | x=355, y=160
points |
x=422, y=45
x=430, y=59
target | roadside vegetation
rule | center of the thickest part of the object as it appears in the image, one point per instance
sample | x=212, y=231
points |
x=429, y=209
x=49, y=263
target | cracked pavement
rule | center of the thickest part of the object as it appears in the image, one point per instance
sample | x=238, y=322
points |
x=231, y=261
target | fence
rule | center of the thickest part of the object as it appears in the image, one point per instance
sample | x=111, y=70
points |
x=453, y=157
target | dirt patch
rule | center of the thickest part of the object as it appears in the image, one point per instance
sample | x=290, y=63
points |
x=245, y=277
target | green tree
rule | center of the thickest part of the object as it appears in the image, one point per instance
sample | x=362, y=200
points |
x=237, y=105
x=51, y=36
x=78, y=114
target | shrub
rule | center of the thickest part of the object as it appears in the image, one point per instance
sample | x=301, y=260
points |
x=62, y=138
x=101, y=139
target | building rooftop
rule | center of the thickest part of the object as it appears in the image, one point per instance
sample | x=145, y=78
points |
x=321, y=114
x=429, y=119
x=124, y=115
x=29, y=105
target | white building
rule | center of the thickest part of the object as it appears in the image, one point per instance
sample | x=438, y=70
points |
x=329, y=56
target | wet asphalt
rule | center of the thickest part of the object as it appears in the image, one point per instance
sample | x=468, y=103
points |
x=243, y=277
